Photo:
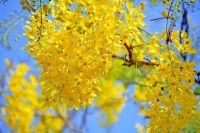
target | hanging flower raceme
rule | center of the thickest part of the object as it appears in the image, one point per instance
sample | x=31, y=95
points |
x=111, y=101
x=169, y=100
x=73, y=43
x=21, y=103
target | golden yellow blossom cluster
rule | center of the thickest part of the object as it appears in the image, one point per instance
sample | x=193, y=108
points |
x=73, y=42
x=166, y=92
x=111, y=101
x=21, y=103
x=23, y=107
x=48, y=122
x=27, y=4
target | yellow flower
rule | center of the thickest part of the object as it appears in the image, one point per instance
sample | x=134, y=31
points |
x=110, y=101
x=8, y=63
x=23, y=100
x=74, y=51
x=142, y=4
x=165, y=14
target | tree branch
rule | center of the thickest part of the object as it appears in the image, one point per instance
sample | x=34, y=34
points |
x=130, y=61
x=84, y=118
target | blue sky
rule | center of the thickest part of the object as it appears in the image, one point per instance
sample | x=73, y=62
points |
x=129, y=115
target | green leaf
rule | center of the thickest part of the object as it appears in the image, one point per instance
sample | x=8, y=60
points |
x=197, y=91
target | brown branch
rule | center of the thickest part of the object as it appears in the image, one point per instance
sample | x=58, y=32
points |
x=130, y=55
x=130, y=61
x=148, y=63
x=168, y=39
x=169, y=32
x=141, y=63
x=120, y=57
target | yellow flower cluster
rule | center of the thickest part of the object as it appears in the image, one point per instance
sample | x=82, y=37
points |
x=27, y=4
x=169, y=100
x=21, y=103
x=194, y=125
x=48, y=123
x=73, y=43
x=8, y=63
x=23, y=107
x=111, y=101
x=140, y=128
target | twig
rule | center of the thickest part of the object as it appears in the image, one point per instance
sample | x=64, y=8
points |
x=184, y=27
x=171, y=25
x=157, y=19
x=84, y=118
x=145, y=31
x=41, y=22
x=129, y=62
